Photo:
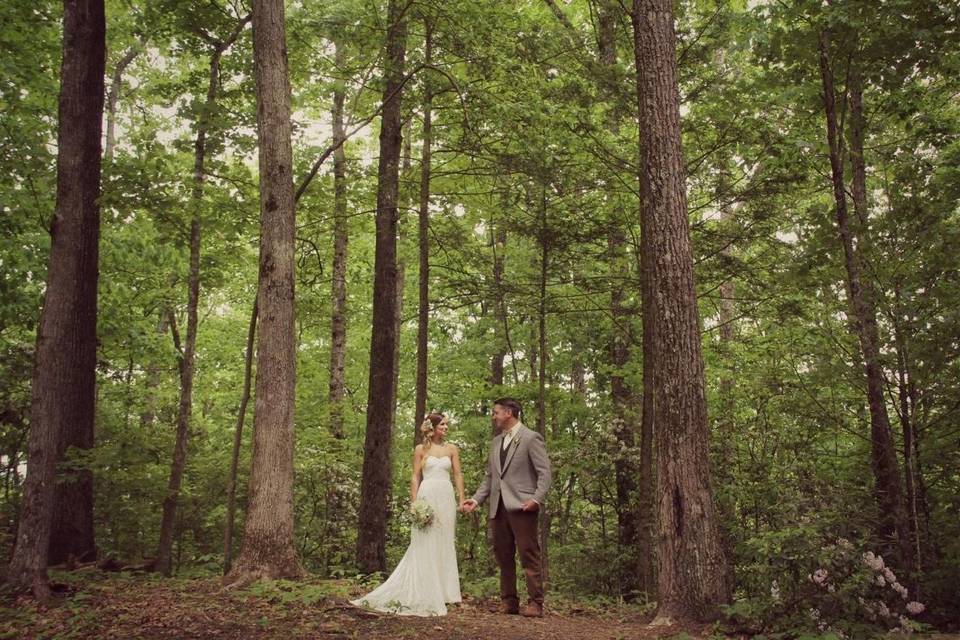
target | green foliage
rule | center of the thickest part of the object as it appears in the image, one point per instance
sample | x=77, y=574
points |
x=287, y=592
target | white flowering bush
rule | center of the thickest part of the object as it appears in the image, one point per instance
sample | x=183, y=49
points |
x=798, y=587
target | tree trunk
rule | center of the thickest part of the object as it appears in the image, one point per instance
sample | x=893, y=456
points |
x=692, y=565
x=377, y=455
x=893, y=518
x=625, y=467
x=725, y=422
x=237, y=443
x=423, y=309
x=187, y=361
x=545, y=512
x=268, y=543
x=542, y=318
x=905, y=396
x=114, y=96
x=338, y=314
x=499, y=241
x=624, y=427
x=64, y=375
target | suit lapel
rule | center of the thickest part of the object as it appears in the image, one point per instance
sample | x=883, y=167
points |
x=495, y=454
x=514, y=445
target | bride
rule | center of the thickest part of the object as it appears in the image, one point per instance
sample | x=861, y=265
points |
x=426, y=578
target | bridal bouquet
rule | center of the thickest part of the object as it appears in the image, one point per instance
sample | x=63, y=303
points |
x=421, y=514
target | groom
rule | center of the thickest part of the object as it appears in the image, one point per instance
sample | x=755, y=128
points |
x=516, y=481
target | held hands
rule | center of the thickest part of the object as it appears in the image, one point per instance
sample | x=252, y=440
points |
x=468, y=506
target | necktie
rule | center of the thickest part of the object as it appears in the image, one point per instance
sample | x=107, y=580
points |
x=503, y=451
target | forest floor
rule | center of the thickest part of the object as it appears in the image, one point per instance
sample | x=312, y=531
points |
x=113, y=606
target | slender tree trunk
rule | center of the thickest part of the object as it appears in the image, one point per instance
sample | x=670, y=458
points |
x=187, y=360
x=692, y=565
x=237, y=443
x=377, y=455
x=64, y=375
x=498, y=245
x=269, y=549
x=625, y=464
x=113, y=96
x=338, y=315
x=893, y=525
x=904, y=384
x=546, y=516
x=726, y=426
x=542, y=317
x=423, y=309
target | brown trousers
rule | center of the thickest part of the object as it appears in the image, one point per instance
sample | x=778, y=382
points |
x=512, y=531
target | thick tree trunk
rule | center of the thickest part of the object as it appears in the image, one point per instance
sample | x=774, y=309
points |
x=692, y=565
x=338, y=314
x=893, y=518
x=377, y=454
x=237, y=443
x=64, y=375
x=423, y=308
x=269, y=549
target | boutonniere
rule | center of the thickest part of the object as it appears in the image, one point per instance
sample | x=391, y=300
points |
x=516, y=441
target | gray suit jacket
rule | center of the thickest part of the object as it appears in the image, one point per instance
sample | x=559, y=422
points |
x=525, y=474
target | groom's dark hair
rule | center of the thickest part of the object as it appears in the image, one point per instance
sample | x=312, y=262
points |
x=510, y=404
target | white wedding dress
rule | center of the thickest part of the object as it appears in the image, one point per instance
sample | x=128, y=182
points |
x=426, y=578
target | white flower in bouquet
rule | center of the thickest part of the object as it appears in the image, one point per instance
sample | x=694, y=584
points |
x=421, y=514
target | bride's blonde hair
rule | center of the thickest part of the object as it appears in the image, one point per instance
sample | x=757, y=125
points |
x=427, y=426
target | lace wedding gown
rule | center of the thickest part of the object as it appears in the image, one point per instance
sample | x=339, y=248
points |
x=426, y=578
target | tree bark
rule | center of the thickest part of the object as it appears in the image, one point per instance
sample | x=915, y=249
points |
x=64, y=375
x=377, y=454
x=268, y=543
x=423, y=309
x=887, y=490
x=338, y=314
x=237, y=443
x=692, y=564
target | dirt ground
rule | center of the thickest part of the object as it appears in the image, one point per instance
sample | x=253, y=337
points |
x=112, y=606
x=107, y=607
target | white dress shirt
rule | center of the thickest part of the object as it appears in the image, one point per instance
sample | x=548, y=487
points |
x=508, y=436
